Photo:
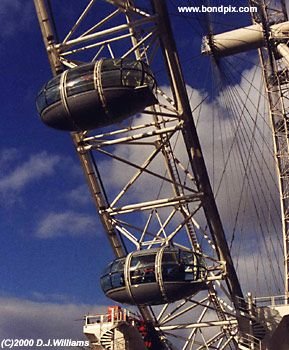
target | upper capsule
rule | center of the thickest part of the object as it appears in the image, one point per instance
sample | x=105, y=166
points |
x=154, y=276
x=96, y=94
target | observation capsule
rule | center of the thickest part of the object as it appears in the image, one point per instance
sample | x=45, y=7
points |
x=96, y=94
x=155, y=276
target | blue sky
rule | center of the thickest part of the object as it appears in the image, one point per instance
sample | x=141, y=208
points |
x=52, y=246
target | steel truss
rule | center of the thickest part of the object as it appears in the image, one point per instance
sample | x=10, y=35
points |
x=275, y=67
x=147, y=176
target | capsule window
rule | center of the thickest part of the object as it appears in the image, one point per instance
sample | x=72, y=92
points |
x=111, y=78
x=52, y=94
x=117, y=279
x=41, y=101
x=53, y=82
x=81, y=84
x=117, y=274
x=132, y=78
x=132, y=65
x=142, y=269
x=108, y=65
x=172, y=268
x=80, y=80
x=49, y=94
x=194, y=270
x=106, y=283
x=170, y=257
x=188, y=258
x=108, y=269
x=149, y=80
x=118, y=265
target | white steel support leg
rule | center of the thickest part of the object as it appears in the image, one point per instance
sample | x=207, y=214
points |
x=283, y=50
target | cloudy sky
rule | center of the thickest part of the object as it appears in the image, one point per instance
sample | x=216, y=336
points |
x=52, y=247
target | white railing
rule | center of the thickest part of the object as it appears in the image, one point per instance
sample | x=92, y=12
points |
x=247, y=341
x=113, y=316
x=250, y=304
x=271, y=300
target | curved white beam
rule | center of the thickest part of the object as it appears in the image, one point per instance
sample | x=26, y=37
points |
x=242, y=39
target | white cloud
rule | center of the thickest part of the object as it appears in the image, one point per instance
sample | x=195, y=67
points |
x=37, y=166
x=79, y=196
x=66, y=223
x=42, y=320
x=52, y=297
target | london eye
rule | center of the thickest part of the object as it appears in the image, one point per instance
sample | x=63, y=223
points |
x=172, y=116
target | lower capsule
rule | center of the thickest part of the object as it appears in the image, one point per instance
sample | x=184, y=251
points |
x=154, y=276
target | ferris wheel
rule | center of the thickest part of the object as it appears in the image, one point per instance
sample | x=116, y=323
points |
x=121, y=88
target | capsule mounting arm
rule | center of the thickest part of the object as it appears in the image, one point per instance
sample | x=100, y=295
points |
x=242, y=39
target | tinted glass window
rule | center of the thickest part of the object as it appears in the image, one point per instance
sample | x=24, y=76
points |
x=173, y=268
x=170, y=257
x=80, y=70
x=188, y=257
x=49, y=94
x=132, y=64
x=131, y=78
x=143, y=275
x=111, y=78
x=52, y=94
x=117, y=280
x=107, y=269
x=53, y=82
x=149, y=80
x=142, y=269
x=143, y=260
x=118, y=265
x=194, y=267
x=80, y=84
x=110, y=65
x=41, y=101
x=80, y=79
x=105, y=283
x=173, y=272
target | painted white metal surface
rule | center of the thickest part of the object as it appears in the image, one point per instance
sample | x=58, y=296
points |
x=242, y=39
